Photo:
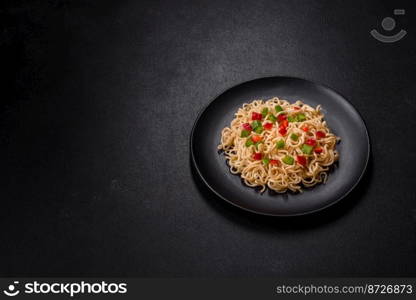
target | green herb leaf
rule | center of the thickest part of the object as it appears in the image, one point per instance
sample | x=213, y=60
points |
x=264, y=112
x=265, y=161
x=255, y=124
x=278, y=108
x=294, y=136
x=289, y=160
x=249, y=142
x=245, y=133
x=272, y=118
x=257, y=145
x=301, y=117
x=258, y=129
x=291, y=118
x=307, y=149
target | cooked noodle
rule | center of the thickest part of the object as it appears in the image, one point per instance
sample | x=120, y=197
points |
x=279, y=145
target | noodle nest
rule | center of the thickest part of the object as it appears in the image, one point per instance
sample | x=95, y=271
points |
x=279, y=145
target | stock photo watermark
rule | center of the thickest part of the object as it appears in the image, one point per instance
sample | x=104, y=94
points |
x=69, y=288
x=389, y=24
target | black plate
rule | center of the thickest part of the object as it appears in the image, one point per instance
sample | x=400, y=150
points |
x=341, y=116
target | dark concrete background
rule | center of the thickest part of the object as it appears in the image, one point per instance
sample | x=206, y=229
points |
x=98, y=101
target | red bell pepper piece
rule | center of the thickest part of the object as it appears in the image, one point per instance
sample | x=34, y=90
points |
x=247, y=126
x=274, y=162
x=257, y=156
x=256, y=116
x=282, y=130
x=256, y=138
x=281, y=117
x=320, y=134
x=318, y=150
x=311, y=142
x=301, y=160
x=268, y=126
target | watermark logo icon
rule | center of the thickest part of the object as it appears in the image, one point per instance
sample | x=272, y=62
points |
x=11, y=289
x=389, y=24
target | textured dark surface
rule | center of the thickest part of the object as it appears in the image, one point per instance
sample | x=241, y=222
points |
x=98, y=100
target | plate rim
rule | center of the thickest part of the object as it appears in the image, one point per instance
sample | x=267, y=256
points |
x=204, y=108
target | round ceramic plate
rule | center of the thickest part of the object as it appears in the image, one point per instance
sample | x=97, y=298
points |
x=342, y=118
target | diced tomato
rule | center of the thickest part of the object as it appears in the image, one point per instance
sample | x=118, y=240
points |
x=274, y=162
x=301, y=160
x=310, y=142
x=320, y=134
x=247, y=126
x=256, y=138
x=284, y=123
x=296, y=107
x=318, y=150
x=257, y=156
x=281, y=117
x=268, y=126
x=282, y=130
x=256, y=116
x=305, y=128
